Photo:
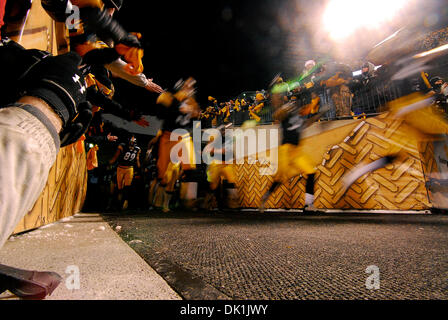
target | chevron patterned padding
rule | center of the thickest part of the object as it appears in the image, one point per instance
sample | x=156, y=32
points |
x=399, y=186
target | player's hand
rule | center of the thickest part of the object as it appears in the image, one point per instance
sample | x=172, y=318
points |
x=153, y=87
x=131, y=40
x=75, y=129
x=111, y=138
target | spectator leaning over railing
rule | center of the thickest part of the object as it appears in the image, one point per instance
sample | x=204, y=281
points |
x=366, y=97
x=256, y=107
x=97, y=23
x=440, y=88
x=334, y=84
x=42, y=107
x=311, y=88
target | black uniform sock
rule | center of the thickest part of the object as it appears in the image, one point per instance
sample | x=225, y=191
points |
x=309, y=188
x=271, y=190
x=219, y=197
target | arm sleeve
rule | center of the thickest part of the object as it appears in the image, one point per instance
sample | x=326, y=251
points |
x=100, y=56
x=97, y=98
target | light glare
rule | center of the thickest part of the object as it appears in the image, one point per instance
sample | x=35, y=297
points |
x=343, y=17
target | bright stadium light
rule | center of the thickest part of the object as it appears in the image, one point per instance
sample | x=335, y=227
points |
x=342, y=17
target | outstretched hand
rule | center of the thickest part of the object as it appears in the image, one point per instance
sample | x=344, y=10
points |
x=153, y=87
x=111, y=138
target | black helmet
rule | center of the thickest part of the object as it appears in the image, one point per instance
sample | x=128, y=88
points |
x=434, y=80
x=132, y=141
x=117, y=4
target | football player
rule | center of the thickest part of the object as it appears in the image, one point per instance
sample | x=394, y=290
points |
x=128, y=156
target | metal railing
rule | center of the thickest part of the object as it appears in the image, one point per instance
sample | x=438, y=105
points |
x=342, y=102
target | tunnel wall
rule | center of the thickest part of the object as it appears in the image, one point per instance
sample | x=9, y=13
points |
x=337, y=147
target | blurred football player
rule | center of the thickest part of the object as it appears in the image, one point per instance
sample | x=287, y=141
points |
x=179, y=111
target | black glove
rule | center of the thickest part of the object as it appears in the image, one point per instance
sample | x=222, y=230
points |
x=16, y=62
x=131, y=41
x=99, y=22
x=98, y=98
x=76, y=128
x=59, y=82
x=56, y=80
x=100, y=57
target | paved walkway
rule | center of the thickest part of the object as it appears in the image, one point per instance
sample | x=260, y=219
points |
x=84, y=244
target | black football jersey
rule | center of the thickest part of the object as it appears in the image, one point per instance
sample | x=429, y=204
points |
x=292, y=127
x=174, y=119
x=128, y=157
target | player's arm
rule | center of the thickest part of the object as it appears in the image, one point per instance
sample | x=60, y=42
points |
x=117, y=67
x=138, y=158
x=56, y=80
x=147, y=155
x=117, y=154
x=98, y=98
x=97, y=19
x=40, y=104
x=106, y=27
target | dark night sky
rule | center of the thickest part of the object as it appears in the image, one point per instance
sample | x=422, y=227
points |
x=230, y=46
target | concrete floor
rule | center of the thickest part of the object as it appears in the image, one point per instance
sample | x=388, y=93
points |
x=247, y=256
x=243, y=256
x=108, y=268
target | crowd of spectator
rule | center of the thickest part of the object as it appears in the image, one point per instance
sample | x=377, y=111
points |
x=346, y=92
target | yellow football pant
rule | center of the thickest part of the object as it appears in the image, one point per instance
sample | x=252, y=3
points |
x=217, y=171
x=124, y=177
x=292, y=161
x=170, y=177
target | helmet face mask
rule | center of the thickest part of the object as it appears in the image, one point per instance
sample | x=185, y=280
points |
x=132, y=141
x=444, y=89
x=436, y=83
